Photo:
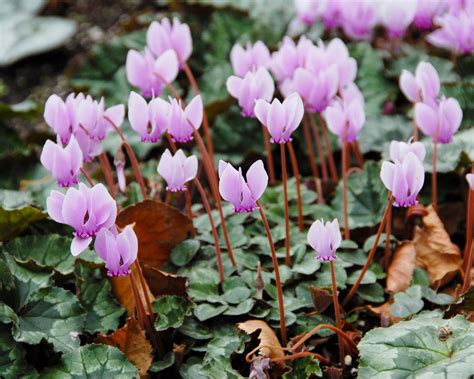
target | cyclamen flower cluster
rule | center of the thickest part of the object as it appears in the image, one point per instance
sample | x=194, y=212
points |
x=358, y=19
x=151, y=120
x=80, y=124
x=169, y=45
x=437, y=117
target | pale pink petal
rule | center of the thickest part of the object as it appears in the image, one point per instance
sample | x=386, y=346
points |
x=138, y=113
x=233, y=85
x=78, y=245
x=166, y=66
x=426, y=118
x=408, y=86
x=194, y=111
x=257, y=179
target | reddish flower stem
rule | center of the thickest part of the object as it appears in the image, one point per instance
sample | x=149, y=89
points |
x=344, y=189
x=301, y=354
x=388, y=232
x=467, y=271
x=108, y=175
x=415, y=127
x=268, y=148
x=287, y=210
x=357, y=153
x=296, y=173
x=211, y=175
x=337, y=311
x=434, y=176
x=469, y=220
x=144, y=288
x=317, y=328
x=205, y=122
x=281, y=305
x=138, y=303
x=332, y=164
x=167, y=197
x=88, y=178
x=309, y=146
x=370, y=257
x=133, y=159
x=213, y=227
x=319, y=147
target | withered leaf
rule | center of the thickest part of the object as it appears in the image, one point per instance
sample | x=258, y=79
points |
x=159, y=228
x=383, y=311
x=270, y=346
x=322, y=299
x=401, y=268
x=131, y=340
x=162, y=283
x=434, y=250
x=123, y=291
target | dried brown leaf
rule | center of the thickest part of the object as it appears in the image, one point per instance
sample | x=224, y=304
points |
x=322, y=299
x=270, y=346
x=400, y=272
x=122, y=288
x=159, y=229
x=131, y=340
x=434, y=250
x=383, y=311
x=162, y=283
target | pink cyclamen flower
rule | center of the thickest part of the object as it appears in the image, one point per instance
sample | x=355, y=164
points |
x=345, y=118
x=426, y=11
x=336, y=52
x=289, y=57
x=182, y=123
x=90, y=148
x=423, y=86
x=397, y=16
x=177, y=170
x=399, y=150
x=358, y=19
x=441, y=122
x=164, y=36
x=325, y=238
x=250, y=58
x=95, y=119
x=317, y=90
x=85, y=209
x=455, y=32
x=57, y=117
x=470, y=181
x=243, y=194
x=253, y=86
x=281, y=119
x=308, y=10
x=151, y=75
x=63, y=162
x=404, y=179
x=259, y=367
x=117, y=250
x=149, y=120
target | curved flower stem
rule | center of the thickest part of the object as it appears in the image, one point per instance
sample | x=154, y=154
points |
x=167, y=198
x=88, y=178
x=268, y=148
x=319, y=147
x=171, y=88
x=388, y=232
x=434, y=178
x=281, y=305
x=309, y=146
x=144, y=288
x=213, y=227
x=357, y=153
x=415, y=127
x=316, y=329
x=138, y=303
x=370, y=257
x=344, y=189
x=107, y=170
x=287, y=210
x=337, y=311
x=211, y=175
x=301, y=354
x=469, y=222
x=332, y=164
x=205, y=121
x=296, y=173
x=132, y=157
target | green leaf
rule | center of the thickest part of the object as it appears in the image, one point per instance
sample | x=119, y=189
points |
x=414, y=349
x=16, y=213
x=407, y=303
x=219, y=367
x=374, y=86
x=204, y=312
x=12, y=355
x=369, y=277
x=379, y=131
x=195, y=329
x=93, y=361
x=366, y=197
x=162, y=364
x=304, y=368
x=27, y=283
x=51, y=251
x=7, y=281
x=306, y=262
x=436, y=298
x=462, y=91
x=323, y=276
x=171, y=311
x=241, y=309
x=372, y=292
x=103, y=312
x=53, y=314
x=184, y=252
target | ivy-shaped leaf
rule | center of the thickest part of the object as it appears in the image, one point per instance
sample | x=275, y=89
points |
x=171, y=311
